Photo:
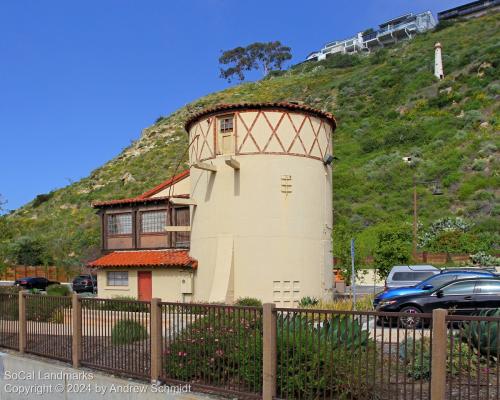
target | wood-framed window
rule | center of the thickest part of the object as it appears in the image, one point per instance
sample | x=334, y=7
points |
x=153, y=221
x=226, y=123
x=119, y=224
x=117, y=278
x=182, y=218
x=225, y=134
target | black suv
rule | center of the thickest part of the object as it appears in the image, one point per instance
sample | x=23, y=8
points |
x=35, y=283
x=462, y=297
x=85, y=284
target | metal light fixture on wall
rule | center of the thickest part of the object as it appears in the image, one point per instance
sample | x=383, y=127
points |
x=328, y=159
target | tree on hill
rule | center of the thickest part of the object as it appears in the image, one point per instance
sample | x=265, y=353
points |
x=393, y=248
x=266, y=56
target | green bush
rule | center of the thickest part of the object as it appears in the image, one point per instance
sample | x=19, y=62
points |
x=483, y=335
x=9, y=307
x=58, y=290
x=10, y=289
x=248, y=302
x=123, y=303
x=226, y=345
x=308, y=301
x=128, y=331
x=417, y=355
x=393, y=248
x=43, y=310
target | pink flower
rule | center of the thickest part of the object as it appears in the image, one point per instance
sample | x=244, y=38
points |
x=219, y=352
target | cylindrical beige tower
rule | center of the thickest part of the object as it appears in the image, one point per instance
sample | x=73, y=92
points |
x=261, y=182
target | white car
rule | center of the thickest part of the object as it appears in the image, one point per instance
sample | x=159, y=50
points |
x=409, y=275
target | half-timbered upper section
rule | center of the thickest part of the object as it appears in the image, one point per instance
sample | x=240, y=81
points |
x=260, y=128
x=156, y=219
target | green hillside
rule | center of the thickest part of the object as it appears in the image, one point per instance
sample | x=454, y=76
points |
x=388, y=105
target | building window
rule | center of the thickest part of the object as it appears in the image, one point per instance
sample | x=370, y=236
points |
x=225, y=138
x=117, y=278
x=226, y=124
x=120, y=224
x=153, y=221
x=182, y=218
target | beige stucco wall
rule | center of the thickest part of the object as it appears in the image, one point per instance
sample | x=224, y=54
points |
x=166, y=284
x=181, y=187
x=280, y=243
x=108, y=292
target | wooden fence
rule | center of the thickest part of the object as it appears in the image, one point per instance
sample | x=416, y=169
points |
x=52, y=273
x=427, y=258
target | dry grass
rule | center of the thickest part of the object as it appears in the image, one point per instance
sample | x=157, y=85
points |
x=362, y=304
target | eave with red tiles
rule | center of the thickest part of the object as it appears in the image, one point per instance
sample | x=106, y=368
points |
x=145, y=198
x=260, y=106
x=145, y=259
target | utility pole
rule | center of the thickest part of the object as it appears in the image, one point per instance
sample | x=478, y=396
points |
x=353, y=277
x=415, y=217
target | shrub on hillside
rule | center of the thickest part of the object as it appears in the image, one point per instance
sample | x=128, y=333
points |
x=58, y=290
x=128, y=331
x=27, y=251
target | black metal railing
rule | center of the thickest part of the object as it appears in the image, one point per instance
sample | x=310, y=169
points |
x=213, y=347
x=473, y=350
x=48, y=326
x=324, y=354
x=9, y=320
x=116, y=336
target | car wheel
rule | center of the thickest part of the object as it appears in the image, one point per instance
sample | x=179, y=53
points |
x=412, y=320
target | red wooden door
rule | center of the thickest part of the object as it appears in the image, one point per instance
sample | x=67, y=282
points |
x=144, y=285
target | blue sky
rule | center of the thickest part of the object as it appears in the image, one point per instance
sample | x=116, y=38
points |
x=79, y=79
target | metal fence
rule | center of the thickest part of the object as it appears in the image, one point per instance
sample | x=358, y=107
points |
x=9, y=321
x=213, y=347
x=115, y=336
x=269, y=352
x=473, y=348
x=48, y=326
x=324, y=354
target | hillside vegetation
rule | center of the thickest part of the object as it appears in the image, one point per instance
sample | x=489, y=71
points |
x=388, y=105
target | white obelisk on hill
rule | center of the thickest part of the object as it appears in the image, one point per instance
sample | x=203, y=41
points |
x=438, y=62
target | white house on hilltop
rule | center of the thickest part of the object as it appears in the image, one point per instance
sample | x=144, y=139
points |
x=389, y=32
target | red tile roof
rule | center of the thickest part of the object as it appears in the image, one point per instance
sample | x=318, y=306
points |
x=145, y=259
x=166, y=184
x=258, y=106
x=146, y=196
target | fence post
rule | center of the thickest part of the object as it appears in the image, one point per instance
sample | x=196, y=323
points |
x=22, y=322
x=76, y=322
x=156, y=339
x=269, y=352
x=439, y=345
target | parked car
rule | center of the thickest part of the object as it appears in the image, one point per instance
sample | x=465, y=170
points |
x=35, y=283
x=85, y=284
x=433, y=282
x=409, y=275
x=465, y=296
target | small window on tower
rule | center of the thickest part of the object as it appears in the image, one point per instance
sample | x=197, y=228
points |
x=226, y=124
x=225, y=137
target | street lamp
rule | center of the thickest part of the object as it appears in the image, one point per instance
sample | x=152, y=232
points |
x=436, y=191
